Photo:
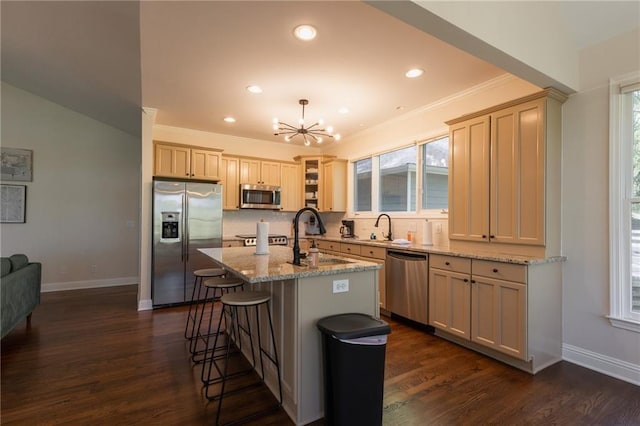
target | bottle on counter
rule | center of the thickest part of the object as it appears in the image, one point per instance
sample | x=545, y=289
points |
x=313, y=257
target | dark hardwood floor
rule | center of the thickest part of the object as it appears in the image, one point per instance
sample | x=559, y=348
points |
x=91, y=358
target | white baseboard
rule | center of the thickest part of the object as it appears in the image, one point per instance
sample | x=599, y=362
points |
x=77, y=285
x=603, y=364
x=145, y=305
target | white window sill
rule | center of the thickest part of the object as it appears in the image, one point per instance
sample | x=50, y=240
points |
x=625, y=323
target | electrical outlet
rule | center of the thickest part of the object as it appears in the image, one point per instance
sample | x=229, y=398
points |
x=340, y=286
x=438, y=228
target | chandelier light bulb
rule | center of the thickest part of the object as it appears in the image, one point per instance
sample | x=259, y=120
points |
x=320, y=122
x=275, y=126
x=275, y=120
x=306, y=143
x=287, y=138
x=319, y=139
x=337, y=136
x=329, y=129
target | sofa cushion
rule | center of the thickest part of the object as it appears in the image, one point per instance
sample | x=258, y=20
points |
x=18, y=261
x=6, y=266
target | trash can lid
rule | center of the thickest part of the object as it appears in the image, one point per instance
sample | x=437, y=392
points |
x=352, y=326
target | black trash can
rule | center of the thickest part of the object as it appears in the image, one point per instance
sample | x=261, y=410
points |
x=353, y=349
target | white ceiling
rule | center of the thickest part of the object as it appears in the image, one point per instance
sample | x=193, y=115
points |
x=193, y=60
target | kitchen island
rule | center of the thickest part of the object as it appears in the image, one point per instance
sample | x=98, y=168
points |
x=300, y=296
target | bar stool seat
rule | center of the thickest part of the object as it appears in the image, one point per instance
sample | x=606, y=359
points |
x=214, y=289
x=231, y=302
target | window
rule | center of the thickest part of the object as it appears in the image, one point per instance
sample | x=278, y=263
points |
x=398, y=180
x=435, y=174
x=624, y=169
x=362, y=185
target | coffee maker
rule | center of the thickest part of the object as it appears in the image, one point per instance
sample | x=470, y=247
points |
x=347, y=229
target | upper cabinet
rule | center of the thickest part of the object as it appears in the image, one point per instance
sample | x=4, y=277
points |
x=504, y=175
x=257, y=171
x=180, y=161
x=291, y=192
x=324, y=183
x=229, y=180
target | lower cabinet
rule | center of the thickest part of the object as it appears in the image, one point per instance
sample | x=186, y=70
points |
x=481, y=301
x=450, y=294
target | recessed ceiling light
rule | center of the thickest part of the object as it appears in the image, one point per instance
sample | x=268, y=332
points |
x=414, y=72
x=229, y=119
x=344, y=110
x=305, y=32
x=254, y=89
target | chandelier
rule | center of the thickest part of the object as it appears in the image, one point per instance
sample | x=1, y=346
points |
x=313, y=133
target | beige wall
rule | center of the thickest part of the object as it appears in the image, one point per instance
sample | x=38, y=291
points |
x=585, y=202
x=82, y=205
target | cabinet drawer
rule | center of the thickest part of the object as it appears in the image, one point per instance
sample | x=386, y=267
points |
x=328, y=245
x=375, y=252
x=350, y=248
x=500, y=270
x=450, y=263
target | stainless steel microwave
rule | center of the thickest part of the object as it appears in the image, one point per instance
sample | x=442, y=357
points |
x=259, y=197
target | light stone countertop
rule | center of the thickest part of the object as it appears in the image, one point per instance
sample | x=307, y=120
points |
x=445, y=250
x=254, y=268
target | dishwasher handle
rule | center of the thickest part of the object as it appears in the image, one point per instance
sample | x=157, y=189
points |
x=407, y=256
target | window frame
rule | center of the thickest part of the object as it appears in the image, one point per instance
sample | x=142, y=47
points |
x=620, y=312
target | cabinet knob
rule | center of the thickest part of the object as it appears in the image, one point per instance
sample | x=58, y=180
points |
x=492, y=236
x=473, y=281
x=466, y=280
x=495, y=270
x=447, y=263
x=484, y=236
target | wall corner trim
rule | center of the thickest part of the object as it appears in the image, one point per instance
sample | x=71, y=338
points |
x=145, y=305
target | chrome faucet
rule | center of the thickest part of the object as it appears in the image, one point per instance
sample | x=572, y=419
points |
x=296, y=243
x=388, y=236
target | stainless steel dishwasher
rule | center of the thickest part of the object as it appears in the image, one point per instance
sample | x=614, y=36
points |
x=406, y=285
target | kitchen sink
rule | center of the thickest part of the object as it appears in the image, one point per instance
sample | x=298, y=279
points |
x=324, y=261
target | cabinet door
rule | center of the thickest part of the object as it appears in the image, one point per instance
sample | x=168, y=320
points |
x=333, y=187
x=291, y=187
x=230, y=184
x=469, y=180
x=270, y=173
x=172, y=161
x=499, y=315
x=518, y=174
x=205, y=164
x=450, y=302
x=250, y=171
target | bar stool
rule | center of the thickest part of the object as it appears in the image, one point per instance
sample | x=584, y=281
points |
x=214, y=288
x=230, y=304
x=195, y=302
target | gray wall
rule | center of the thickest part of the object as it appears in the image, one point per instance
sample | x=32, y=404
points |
x=82, y=205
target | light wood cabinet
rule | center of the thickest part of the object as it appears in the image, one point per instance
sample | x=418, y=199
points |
x=333, y=187
x=179, y=161
x=504, y=175
x=512, y=312
x=230, y=184
x=291, y=188
x=328, y=246
x=450, y=294
x=377, y=255
x=257, y=171
x=324, y=183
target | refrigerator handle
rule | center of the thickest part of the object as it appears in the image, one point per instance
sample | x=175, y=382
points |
x=182, y=223
x=185, y=223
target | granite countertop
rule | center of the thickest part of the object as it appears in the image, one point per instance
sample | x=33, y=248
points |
x=445, y=250
x=254, y=268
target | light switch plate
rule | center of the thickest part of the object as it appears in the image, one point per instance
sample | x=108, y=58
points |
x=340, y=286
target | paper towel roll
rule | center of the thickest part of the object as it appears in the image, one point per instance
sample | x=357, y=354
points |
x=262, y=238
x=427, y=234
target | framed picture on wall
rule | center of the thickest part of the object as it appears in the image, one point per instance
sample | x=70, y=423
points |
x=13, y=203
x=16, y=164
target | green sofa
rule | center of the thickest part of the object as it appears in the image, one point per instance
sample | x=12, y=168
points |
x=20, y=290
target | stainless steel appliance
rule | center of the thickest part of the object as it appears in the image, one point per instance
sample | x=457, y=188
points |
x=347, y=229
x=259, y=197
x=406, y=285
x=187, y=215
x=274, y=240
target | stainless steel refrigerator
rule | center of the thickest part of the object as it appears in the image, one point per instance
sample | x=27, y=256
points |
x=187, y=215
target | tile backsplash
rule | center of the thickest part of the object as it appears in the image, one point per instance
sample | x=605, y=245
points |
x=244, y=222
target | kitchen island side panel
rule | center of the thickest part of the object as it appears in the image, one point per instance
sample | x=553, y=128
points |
x=316, y=300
